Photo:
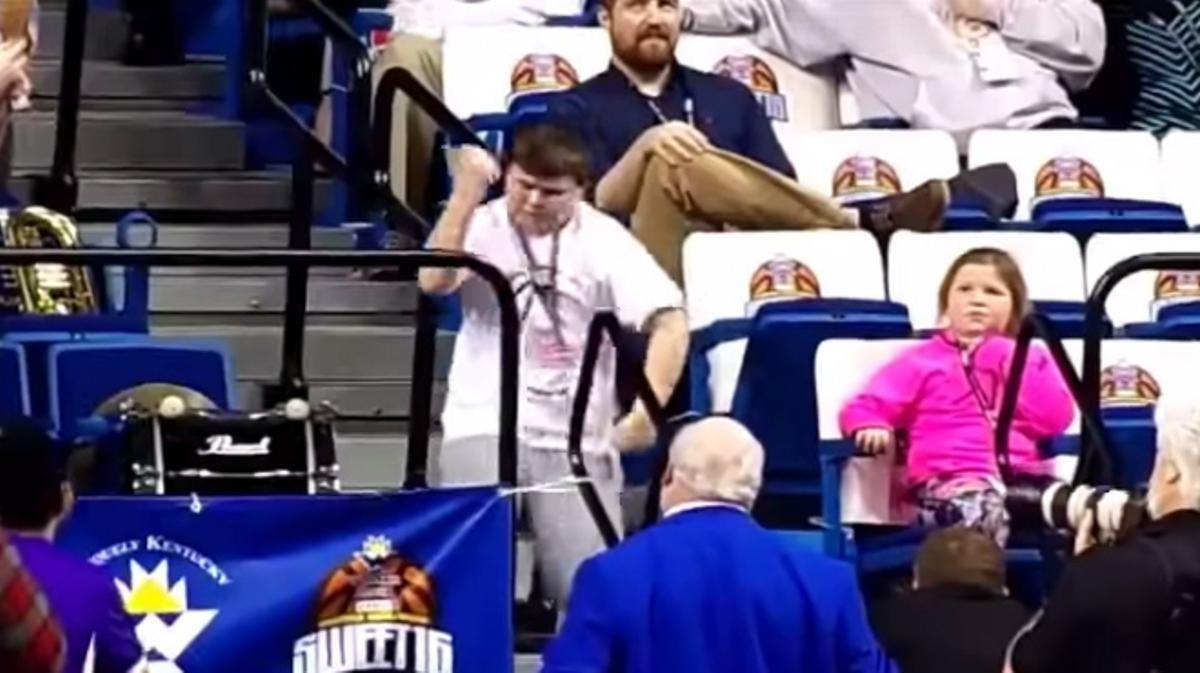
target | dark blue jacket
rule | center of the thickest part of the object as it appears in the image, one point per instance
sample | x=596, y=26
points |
x=710, y=591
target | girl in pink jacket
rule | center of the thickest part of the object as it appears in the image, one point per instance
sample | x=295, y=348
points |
x=945, y=395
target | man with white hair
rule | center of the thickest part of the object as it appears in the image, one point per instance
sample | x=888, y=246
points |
x=708, y=590
x=1131, y=607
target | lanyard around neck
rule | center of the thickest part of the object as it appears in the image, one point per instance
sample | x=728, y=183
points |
x=543, y=279
x=688, y=111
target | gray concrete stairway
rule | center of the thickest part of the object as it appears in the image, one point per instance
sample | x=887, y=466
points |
x=144, y=144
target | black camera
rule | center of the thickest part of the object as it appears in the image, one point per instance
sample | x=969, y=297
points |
x=1060, y=506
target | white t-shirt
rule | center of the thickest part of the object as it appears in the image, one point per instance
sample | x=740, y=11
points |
x=431, y=18
x=601, y=267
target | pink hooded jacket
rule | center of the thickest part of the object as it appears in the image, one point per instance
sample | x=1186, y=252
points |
x=926, y=391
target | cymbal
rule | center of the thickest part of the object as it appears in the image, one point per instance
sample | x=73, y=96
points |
x=148, y=396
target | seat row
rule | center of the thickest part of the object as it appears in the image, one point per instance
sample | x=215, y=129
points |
x=730, y=276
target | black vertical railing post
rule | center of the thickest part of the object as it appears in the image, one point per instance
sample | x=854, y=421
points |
x=291, y=370
x=60, y=191
x=602, y=323
x=420, y=409
x=254, y=53
x=1093, y=432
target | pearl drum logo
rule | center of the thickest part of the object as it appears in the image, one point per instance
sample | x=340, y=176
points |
x=781, y=279
x=863, y=178
x=169, y=589
x=377, y=612
x=1068, y=177
x=1126, y=385
x=760, y=78
x=541, y=73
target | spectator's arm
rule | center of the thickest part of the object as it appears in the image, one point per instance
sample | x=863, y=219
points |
x=1066, y=36
x=1044, y=407
x=30, y=638
x=589, y=636
x=617, y=191
x=857, y=649
x=760, y=142
x=804, y=32
x=887, y=399
x=475, y=170
x=645, y=298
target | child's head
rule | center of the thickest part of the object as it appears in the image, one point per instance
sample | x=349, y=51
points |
x=983, y=292
x=961, y=557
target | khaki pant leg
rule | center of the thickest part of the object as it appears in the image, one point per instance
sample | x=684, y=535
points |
x=413, y=132
x=719, y=188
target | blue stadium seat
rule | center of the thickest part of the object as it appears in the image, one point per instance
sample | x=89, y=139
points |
x=83, y=375
x=776, y=390
x=14, y=382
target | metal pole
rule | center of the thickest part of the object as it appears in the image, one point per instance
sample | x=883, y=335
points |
x=420, y=409
x=61, y=191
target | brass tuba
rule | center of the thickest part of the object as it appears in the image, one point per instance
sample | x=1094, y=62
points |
x=44, y=289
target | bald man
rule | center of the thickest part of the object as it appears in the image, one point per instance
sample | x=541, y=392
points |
x=708, y=590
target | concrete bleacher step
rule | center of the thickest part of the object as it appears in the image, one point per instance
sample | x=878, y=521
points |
x=104, y=79
x=358, y=399
x=192, y=191
x=134, y=140
x=372, y=462
x=106, y=33
x=216, y=295
x=219, y=236
x=357, y=354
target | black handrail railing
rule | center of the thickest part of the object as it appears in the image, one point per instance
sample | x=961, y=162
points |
x=1037, y=326
x=1093, y=337
x=602, y=323
x=509, y=319
x=59, y=190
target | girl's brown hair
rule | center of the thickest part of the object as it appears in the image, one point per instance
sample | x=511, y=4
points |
x=1009, y=273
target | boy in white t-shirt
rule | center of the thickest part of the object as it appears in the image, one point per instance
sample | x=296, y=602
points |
x=566, y=261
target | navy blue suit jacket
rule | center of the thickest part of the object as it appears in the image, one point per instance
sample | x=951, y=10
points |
x=710, y=591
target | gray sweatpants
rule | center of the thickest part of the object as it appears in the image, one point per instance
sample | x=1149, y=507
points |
x=564, y=533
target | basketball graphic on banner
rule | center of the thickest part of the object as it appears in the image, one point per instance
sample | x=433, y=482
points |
x=376, y=612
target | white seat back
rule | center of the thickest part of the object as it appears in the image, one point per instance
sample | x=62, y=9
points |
x=854, y=165
x=1062, y=164
x=1050, y=263
x=1179, y=152
x=728, y=275
x=871, y=487
x=484, y=66
x=1138, y=297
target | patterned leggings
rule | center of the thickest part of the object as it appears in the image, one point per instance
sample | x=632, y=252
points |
x=970, y=502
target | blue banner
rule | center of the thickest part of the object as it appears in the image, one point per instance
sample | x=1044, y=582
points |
x=408, y=582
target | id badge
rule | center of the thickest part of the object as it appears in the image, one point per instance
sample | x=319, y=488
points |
x=552, y=368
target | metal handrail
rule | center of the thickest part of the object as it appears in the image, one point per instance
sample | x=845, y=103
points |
x=59, y=190
x=1093, y=337
x=602, y=323
x=1037, y=326
x=509, y=319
